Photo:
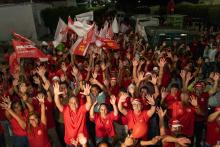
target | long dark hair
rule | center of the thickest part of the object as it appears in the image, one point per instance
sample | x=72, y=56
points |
x=29, y=127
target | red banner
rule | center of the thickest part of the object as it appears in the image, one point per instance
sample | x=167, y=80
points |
x=25, y=50
x=22, y=38
x=109, y=43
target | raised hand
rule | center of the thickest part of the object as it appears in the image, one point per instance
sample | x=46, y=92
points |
x=183, y=74
x=193, y=100
x=103, y=66
x=112, y=99
x=74, y=71
x=86, y=89
x=150, y=100
x=6, y=103
x=162, y=62
x=164, y=93
x=94, y=75
x=15, y=82
x=135, y=62
x=56, y=89
x=40, y=98
x=46, y=85
x=189, y=76
x=160, y=112
x=41, y=70
x=123, y=97
x=141, y=76
x=154, y=79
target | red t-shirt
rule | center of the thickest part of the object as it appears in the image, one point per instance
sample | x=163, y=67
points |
x=38, y=137
x=104, y=127
x=49, y=111
x=75, y=123
x=213, y=133
x=186, y=116
x=16, y=128
x=134, y=118
x=170, y=99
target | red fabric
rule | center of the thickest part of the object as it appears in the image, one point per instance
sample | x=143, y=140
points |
x=186, y=116
x=104, y=127
x=82, y=44
x=165, y=79
x=16, y=128
x=38, y=137
x=134, y=118
x=75, y=123
x=169, y=100
x=115, y=90
x=213, y=133
x=13, y=62
x=49, y=111
x=25, y=50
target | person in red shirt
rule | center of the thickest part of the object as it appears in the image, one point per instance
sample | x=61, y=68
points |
x=37, y=130
x=213, y=128
x=74, y=117
x=172, y=136
x=185, y=111
x=137, y=114
x=17, y=118
x=104, y=127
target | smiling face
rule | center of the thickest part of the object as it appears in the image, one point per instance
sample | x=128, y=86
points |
x=73, y=103
x=33, y=120
x=136, y=106
x=103, y=110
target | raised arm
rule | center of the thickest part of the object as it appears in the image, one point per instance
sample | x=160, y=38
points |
x=161, y=115
x=161, y=64
x=215, y=86
x=43, y=117
x=194, y=102
x=86, y=92
x=91, y=111
x=6, y=105
x=151, y=101
x=113, y=103
x=120, y=106
x=57, y=92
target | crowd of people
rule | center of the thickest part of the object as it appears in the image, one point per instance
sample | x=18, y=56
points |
x=133, y=96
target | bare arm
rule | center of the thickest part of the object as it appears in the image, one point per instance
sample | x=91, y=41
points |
x=86, y=92
x=91, y=112
x=213, y=116
x=56, y=97
x=120, y=106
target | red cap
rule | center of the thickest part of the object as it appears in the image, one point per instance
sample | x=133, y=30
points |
x=175, y=123
x=198, y=84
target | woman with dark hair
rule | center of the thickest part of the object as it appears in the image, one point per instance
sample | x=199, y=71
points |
x=104, y=127
x=36, y=130
x=17, y=118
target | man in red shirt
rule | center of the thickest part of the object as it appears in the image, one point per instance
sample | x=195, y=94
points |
x=74, y=116
x=137, y=114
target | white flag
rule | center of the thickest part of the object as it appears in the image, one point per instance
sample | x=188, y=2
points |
x=80, y=28
x=88, y=16
x=60, y=34
x=115, y=27
x=104, y=30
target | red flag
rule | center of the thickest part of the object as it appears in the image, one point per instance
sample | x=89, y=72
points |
x=81, y=45
x=109, y=43
x=13, y=62
x=25, y=50
x=22, y=38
